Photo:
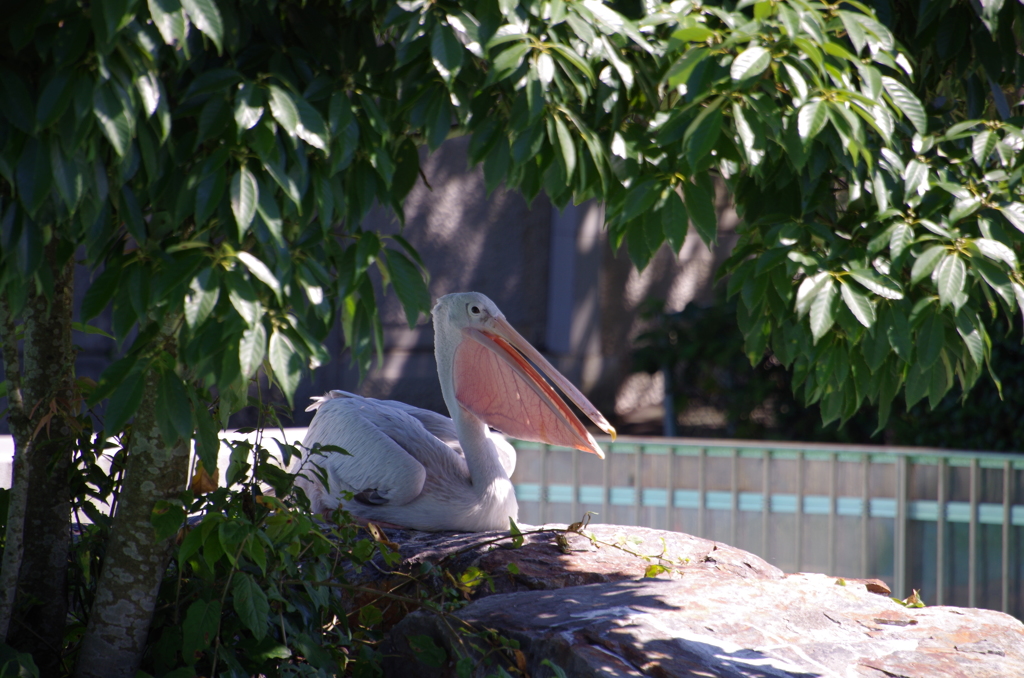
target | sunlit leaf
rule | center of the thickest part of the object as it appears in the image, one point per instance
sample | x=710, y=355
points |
x=907, y=102
x=750, y=63
x=207, y=18
x=245, y=193
x=823, y=309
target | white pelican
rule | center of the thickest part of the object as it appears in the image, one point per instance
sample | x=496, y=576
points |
x=420, y=470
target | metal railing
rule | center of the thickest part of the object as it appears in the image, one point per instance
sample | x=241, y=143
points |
x=948, y=523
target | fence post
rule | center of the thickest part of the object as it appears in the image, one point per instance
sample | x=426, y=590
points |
x=670, y=498
x=766, y=501
x=799, y=538
x=575, y=486
x=972, y=537
x=900, y=530
x=940, y=533
x=1007, y=490
x=833, y=466
x=865, y=514
x=545, y=451
x=638, y=485
x=702, y=486
x=734, y=488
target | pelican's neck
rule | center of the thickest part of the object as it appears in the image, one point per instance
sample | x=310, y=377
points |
x=481, y=456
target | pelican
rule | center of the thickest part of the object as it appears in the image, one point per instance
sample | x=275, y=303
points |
x=420, y=470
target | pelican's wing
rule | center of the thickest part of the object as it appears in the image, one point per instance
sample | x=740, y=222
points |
x=378, y=468
x=437, y=424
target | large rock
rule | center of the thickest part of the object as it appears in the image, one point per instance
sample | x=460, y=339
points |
x=587, y=607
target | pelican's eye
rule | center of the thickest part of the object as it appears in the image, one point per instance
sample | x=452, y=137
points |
x=475, y=310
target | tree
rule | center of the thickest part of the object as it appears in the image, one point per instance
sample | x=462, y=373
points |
x=211, y=162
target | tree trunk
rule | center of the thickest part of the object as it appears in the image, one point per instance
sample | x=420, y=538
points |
x=40, y=419
x=135, y=562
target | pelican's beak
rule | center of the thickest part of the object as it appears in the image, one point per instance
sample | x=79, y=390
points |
x=495, y=380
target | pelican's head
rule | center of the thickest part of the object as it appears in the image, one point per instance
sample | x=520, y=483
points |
x=466, y=309
x=492, y=371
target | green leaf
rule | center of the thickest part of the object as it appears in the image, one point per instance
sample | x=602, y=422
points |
x=950, y=275
x=1014, y=213
x=808, y=291
x=963, y=208
x=90, y=329
x=925, y=263
x=982, y=146
x=509, y=60
x=116, y=121
x=409, y=285
x=695, y=33
x=675, y=221
x=558, y=671
x=703, y=132
x=169, y=19
x=262, y=272
x=567, y=146
x=206, y=17
x=901, y=237
x=993, y=249
x=566, y=53
x=16, y=104
x=173, y=402
x=811, y=119
x=918, y=383
x=916, y=178
x=931, y=339
x=972, y=337
x=861, y=307
x=638, y=199
x=897, y=327
x=245, y=195
x=247, y=111
x=701, y=208
x=54, y=99
x=681, y=71
x=286, y=363
x=517, y=535
x=243, y=298
x=823, y=310
x=311, y=127
x=123, y=403
x=284, y=109
x=875, y=347
x=100, y=292
x=446, y=52
x=251, y=604
x=208, y=195
x=426, y=650
x=202, y=298
x=34, y=176
x=167, y=518
x=881, y=285
x=907, y=102
x=750, y=63
x=199, y=629
x=252, y=348
x=270, y=212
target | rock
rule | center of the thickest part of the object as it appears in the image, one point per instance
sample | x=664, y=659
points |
x=586, y=607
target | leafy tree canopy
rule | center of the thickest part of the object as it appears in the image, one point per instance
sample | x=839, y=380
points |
x=217, y=159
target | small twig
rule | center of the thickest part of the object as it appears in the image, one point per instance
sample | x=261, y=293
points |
x=224, y=597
